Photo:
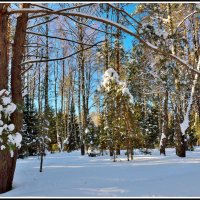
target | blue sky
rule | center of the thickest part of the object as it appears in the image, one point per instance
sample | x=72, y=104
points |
x=130, y=8
x=128, y=39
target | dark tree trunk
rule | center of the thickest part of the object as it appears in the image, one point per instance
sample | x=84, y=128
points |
x=162, y=148
x=81, y=61
x=165, y=125
x=127, y=150
x=117, y=52
x=62, y=103
x=111, y=151
x=41, y=160
x=118, y=149
x=106, y=41
x=82, y=149
x=79, y=112
x=16, y=81
x=180, y=146
x=16, y=87
x=46, y=99
x=7, y=164
x=7, y=168
x=181, y=150
x=180, y=143
x=3, y=47
x=132, y=152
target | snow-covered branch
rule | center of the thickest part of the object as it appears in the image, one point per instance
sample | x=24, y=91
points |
x=123, y=11
x=9, y=139
x=62, y=10
x=191, y=14
x=121, y=27
x=185, y=124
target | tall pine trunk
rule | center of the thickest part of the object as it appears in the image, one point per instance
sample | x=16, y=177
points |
x=180, y=143
x=4, y=42
x=81, y=64
x=56, y=103
x=46, y=83
x=165, y=125
x=8, y=164
x=117, y=51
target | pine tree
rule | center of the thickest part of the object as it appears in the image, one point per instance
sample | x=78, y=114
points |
x=30, y=129
x=72, y=141
x=52, y=134
x=119, y=125
x=151, y=128
x=92, y=136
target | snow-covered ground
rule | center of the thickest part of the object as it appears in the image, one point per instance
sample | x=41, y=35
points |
x=72, y=175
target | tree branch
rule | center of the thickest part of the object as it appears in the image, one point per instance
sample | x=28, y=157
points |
x=125, y=13
x=39, y=6
x=191, y=14
x=123, y=28
x=55, y=59
x=91, y=26
x=37, y=16
x=71, y=8
x=41, y=23
x=59, y=38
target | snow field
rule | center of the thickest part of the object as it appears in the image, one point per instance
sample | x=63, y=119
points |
x=72, y=175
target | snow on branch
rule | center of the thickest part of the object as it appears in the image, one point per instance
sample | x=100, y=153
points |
x=125, y=13
x=191, y=14
x=9, y=140
x=111, y=77
x=185, y=124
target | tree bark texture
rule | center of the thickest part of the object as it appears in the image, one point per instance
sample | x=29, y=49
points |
x=8, y=163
